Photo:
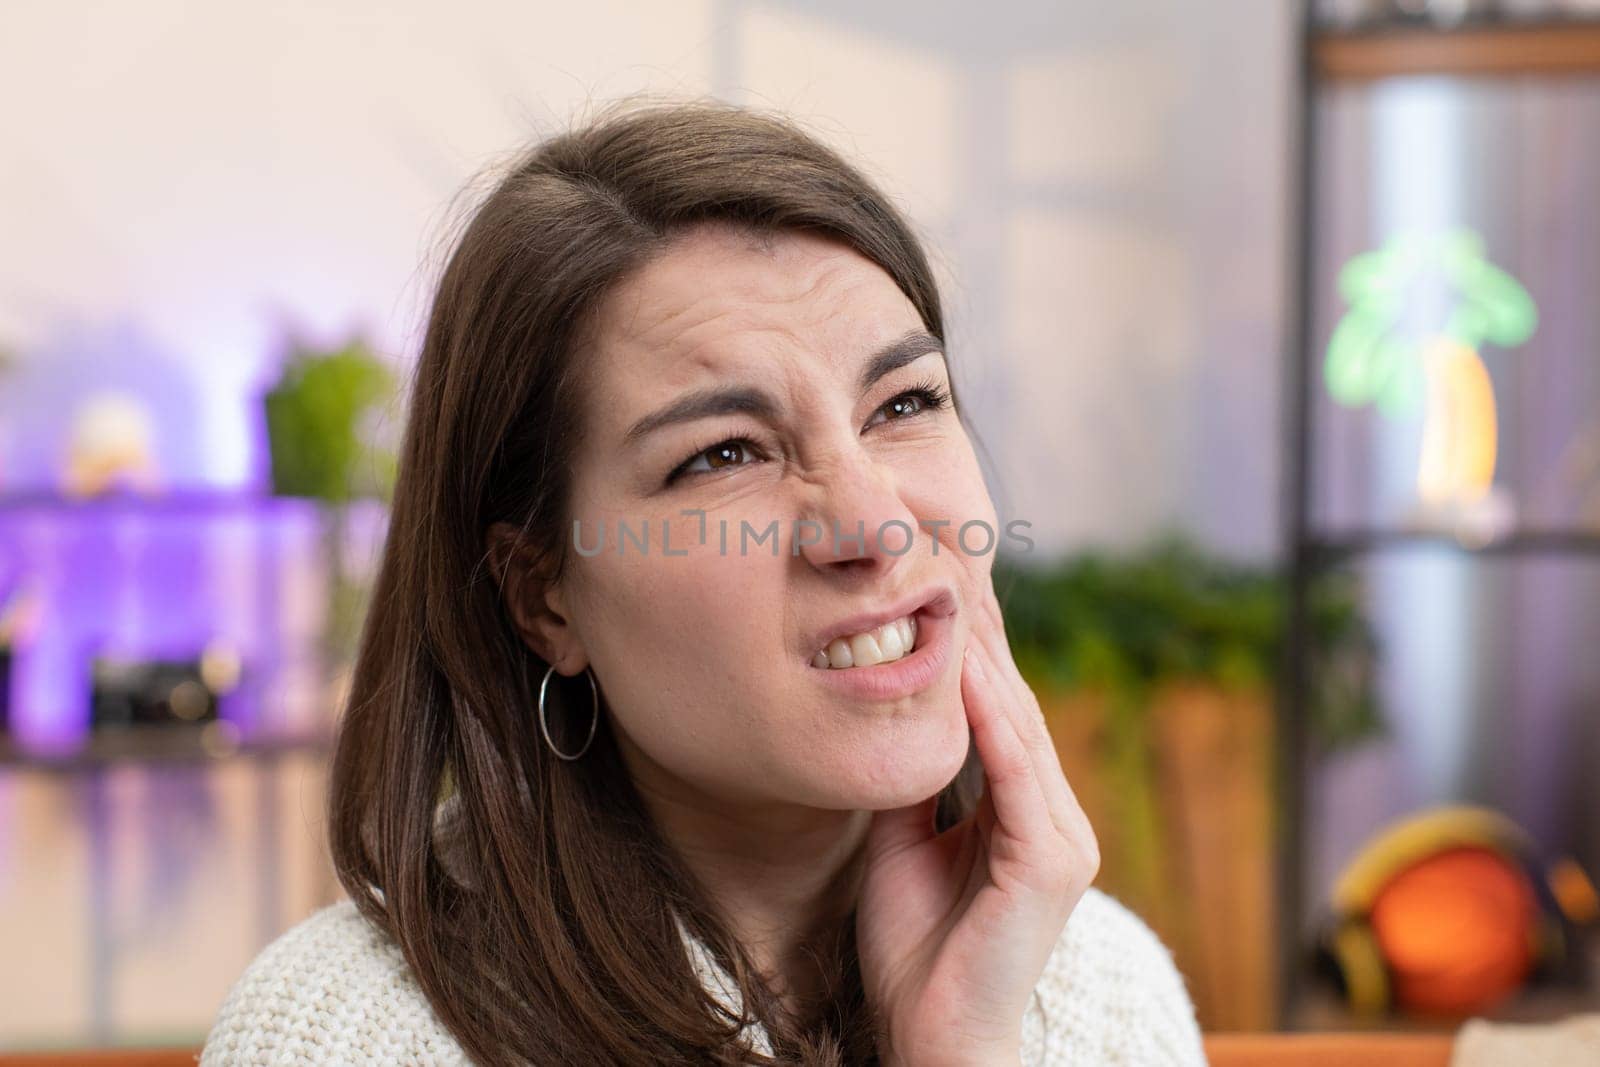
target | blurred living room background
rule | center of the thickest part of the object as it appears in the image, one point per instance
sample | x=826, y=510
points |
x=1278, y=323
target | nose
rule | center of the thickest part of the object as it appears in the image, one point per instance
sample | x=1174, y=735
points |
x=857, y=520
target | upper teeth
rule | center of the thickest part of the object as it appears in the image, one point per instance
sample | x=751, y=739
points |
x=883, y=645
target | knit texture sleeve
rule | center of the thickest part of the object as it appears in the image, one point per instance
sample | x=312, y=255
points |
x=331, y=990
x=1111, y=995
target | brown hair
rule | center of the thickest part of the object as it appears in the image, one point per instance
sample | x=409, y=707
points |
x=543, y=930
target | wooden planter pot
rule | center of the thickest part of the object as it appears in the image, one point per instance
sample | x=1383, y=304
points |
x=1182, y=801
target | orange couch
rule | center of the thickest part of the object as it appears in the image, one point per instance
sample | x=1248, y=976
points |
x=1329, y=1050
x=1223, y=1050
x=175, y=1057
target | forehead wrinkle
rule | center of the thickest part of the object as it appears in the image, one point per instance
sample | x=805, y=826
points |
x=751, y=357
x=821, y=268
x=755, y=343
x=668, y=346
x=766, y=288
x=684, y=354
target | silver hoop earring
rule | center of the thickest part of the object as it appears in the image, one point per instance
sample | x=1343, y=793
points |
x=544, y=727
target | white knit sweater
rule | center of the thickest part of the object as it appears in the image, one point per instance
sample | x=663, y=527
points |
x=336, y=990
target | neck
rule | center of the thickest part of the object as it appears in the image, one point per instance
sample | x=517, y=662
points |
x=781, y=875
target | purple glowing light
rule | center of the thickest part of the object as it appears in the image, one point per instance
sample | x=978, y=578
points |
x=163, y=578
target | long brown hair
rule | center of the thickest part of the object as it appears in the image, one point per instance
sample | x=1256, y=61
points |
x=543, y=929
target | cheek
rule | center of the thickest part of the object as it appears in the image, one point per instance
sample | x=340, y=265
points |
x=945, y=484
x=680, y=640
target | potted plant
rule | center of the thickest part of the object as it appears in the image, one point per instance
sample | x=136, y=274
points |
x=1155, y=671
x=324, y=419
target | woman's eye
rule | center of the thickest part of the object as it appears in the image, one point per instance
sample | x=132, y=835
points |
x=723, y=454
x=914, y=402
x=741, y=451
x=909, y=404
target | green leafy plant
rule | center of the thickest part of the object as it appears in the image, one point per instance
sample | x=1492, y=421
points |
x=320, y=418
x=1122, y=626
x=1170, y=611
x=316, y=415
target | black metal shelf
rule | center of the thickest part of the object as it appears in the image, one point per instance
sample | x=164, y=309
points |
x=1329, y=548
x=170, y=501
x=1327, y=59
x=155, y=745
x=1477, y=48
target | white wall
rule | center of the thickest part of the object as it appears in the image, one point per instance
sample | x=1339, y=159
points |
x=1104, y=185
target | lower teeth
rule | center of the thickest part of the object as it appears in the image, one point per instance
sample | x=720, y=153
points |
x=880, y=663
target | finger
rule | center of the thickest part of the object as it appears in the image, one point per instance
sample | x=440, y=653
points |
x=1057, y=840
x=1066, y=822
x=1025, y=707
x=1059, y=801
x=1065, y=811
x=1019, y=804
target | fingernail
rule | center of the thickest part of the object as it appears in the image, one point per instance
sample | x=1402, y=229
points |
x=971, y=658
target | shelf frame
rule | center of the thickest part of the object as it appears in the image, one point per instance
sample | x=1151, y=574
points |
x=1564, y=47
x=1327, y=60
x=150, y=746
x=1333, y=547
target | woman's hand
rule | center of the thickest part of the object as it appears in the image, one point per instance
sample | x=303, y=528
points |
x=954, y=929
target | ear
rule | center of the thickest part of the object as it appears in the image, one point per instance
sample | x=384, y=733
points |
x=534, y=602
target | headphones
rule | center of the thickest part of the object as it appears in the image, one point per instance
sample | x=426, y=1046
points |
x=1450, y=911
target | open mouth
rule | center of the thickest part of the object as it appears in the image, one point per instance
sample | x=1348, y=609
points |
x=893, y=659
x=887, y=643
x=896, y=679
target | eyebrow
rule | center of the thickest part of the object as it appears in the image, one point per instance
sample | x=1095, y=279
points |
x=704, y=403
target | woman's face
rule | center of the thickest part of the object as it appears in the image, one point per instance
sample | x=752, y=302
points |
x=705, y=649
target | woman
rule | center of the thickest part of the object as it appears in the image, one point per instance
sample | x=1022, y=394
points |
x=684, y=666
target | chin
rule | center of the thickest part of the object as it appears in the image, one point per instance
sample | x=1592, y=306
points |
x=899, y=769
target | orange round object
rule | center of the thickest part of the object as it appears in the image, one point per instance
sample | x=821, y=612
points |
x=1456, y=930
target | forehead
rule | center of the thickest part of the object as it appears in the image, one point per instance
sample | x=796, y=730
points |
x=721, y=302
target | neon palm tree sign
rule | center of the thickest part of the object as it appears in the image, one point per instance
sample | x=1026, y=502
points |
x=1420, y=307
